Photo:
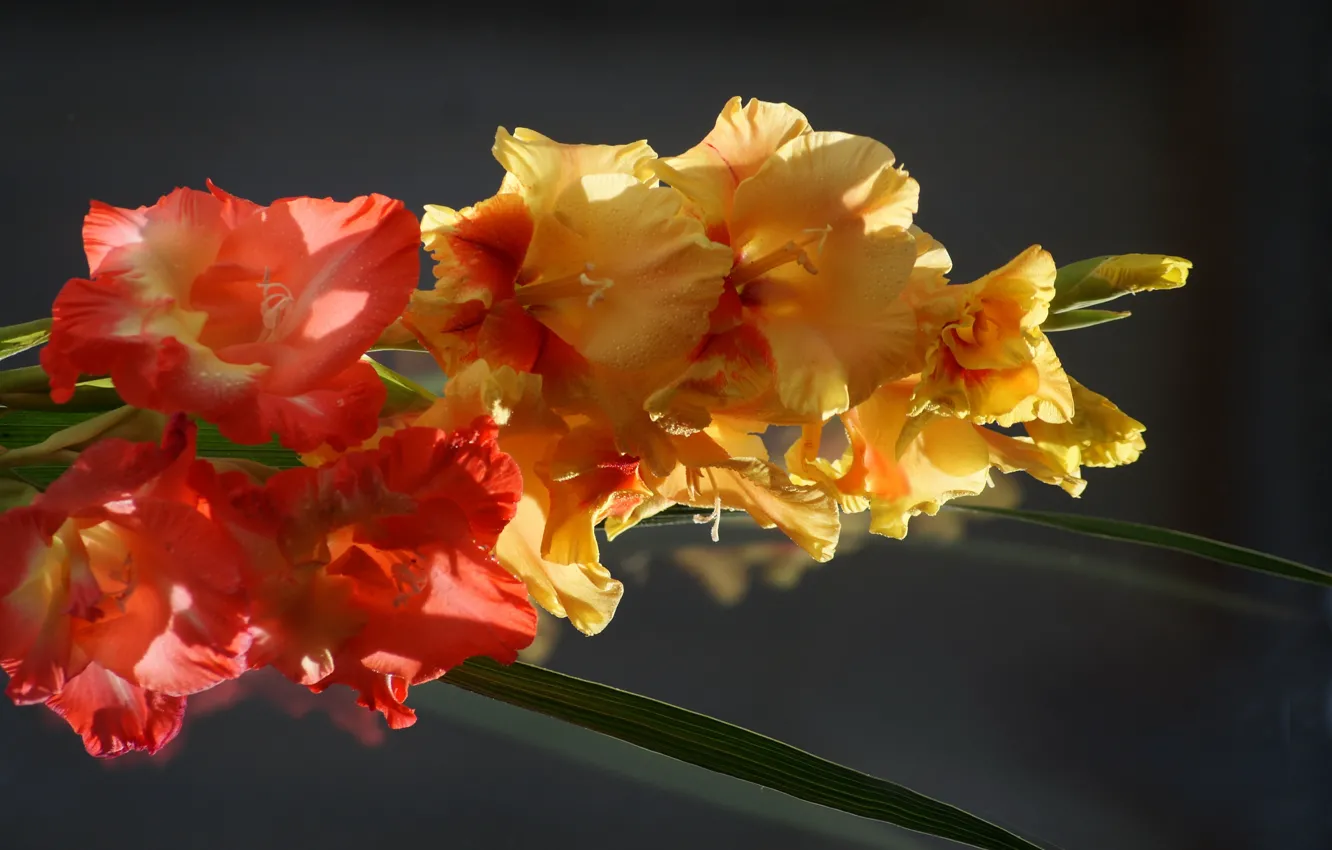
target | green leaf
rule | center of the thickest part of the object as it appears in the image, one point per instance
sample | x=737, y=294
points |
x=404, y=394
x=1076, y=319
x=725, y=748
x=20, y=428
x=1162, y=538
x=660, y=773
x=19, y=338
x=28, y=388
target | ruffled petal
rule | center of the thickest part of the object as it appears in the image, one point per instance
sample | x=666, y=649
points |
x=1098, y=435
x=819, y=179
x=183, y=626
x=478, y=252
x=340, y=411
x=541, y=169
x=468, y=606
x=391, y=580
x=742, y=140
x=114, y=716
x=991, y=362
x=34, y=598
x=900, y=465
x=584, y=592
x=708, y=476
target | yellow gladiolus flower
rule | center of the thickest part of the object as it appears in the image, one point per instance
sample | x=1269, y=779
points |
x=820, y=224
x=1099, y=434
x=898, y=465
x=575, y=248
x=991, y=362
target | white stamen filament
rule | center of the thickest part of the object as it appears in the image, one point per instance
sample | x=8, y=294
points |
x=542, y=292
x=276, y=298
x=714, y=518
x=599, y=286
x=791, y=252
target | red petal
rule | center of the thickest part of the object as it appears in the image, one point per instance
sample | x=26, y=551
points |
x=350, y=268
x=424, y=510
x=107, y=228
x=114, y=470
x=115, y=717
x=465, y=469
x=184, y=625
x=34, y=624
x=342, y=411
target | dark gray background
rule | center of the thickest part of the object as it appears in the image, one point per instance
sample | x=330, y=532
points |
x=1095, y=696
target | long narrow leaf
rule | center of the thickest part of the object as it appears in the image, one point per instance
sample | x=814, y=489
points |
x=15, y=339
x=1163, y=538
x=661, y=773
x=724, y=748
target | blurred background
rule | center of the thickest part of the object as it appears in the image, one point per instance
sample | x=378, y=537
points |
x=1090, y=694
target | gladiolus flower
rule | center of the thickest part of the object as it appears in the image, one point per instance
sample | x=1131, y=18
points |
x=898, y=465
x=819, y=225
x=251, y=317
x=377, y=570
x=574, y=247
x=119, y=595
x=991, y=362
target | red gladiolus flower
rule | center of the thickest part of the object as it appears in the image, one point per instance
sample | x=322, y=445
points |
x=377, y=571
x=254, y=318
x=119, y=595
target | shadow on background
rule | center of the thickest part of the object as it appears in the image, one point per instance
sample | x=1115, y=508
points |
x=1061, y=699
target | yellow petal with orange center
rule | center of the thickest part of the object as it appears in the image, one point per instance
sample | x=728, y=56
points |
x=618, y=273
x=991, y=362
x=823, y=254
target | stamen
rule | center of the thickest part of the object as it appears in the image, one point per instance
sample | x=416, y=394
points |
x=714, y=518
x=275, y=299
x=542, y=292
x=599, y=286
x=792, y=252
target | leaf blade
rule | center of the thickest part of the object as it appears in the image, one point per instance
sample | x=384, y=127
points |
x=15, y=339
x=1162, y=538
x=1072, y=320
x=725, y=748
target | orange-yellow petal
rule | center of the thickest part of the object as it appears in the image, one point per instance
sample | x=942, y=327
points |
x=1099, y=434
x=541, y=169
x=583, y=591
x=990, y=361
x=742, y=140
x=708, y=476
x=620, y=274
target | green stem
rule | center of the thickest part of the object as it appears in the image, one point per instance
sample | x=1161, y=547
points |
x=28, y=379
